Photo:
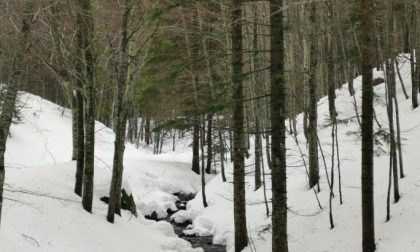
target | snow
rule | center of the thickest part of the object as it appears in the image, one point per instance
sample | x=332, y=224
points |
x=41, y=212
x=183, y=216
x=308, y=226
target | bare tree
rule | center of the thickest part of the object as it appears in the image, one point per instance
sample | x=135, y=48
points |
x=8, y=107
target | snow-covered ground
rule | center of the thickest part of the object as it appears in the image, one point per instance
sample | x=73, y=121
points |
x=308, y=226
x=41, y=212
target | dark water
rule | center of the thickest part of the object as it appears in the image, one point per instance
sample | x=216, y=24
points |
x=204, y=242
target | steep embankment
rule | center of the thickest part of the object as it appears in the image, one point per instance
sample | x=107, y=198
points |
x=41, y=212
x=309, y=228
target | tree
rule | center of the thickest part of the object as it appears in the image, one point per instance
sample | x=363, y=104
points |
x=368, y=216
x=85, y=44
x=313, y=99
x=80, y=106
x=8, y=107
x=241, y=235
x=114, y=204
x=278, y=129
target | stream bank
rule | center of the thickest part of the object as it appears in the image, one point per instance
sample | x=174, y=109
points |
x=204, y=242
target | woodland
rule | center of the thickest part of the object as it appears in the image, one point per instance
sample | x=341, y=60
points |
x=209, y=125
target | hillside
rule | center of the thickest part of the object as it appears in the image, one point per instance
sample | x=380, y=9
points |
x=308, y=226
x=41, y=212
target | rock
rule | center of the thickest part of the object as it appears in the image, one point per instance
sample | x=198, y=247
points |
x=105, y=199
x=377, y=81
x=127, y=202
x=153, y=216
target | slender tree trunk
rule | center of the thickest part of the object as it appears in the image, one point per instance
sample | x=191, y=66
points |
x=80, y=115
x=203, y=186
x=222, y=154
x=390, y=110
x=147, y=135
x=114, y=204
x=232, y=154
x=257, y=154
x=399, y=146
x=209, y=142
x=330, y=66
x=415, y=83
x=196, y=148
x=415, y=53
x=241, y=234
x=9, y=101
x=313, y=102
x=278, y=144
x=368, y=216
x=267, y=150
x=202, y=142
x=84, y=14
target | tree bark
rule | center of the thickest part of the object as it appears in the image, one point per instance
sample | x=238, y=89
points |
x=313, y=101
x=147, y=134
x=80, y=115
x=257, y=154
x=84, y=14
x=8, y=106
x=368, y=216
x=222, y=154
x=278, y=128
x=209, y=143
x=196, y=147
x=114, y=204
x=241, y=235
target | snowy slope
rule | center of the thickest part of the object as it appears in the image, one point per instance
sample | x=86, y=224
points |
x=41, y=212
x=309, y=228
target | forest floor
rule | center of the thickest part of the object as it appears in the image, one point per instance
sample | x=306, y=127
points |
x=308, y=225
x=41, y=212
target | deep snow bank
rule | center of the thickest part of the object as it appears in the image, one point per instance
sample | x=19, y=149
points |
x=41, y=212
x=308, y=226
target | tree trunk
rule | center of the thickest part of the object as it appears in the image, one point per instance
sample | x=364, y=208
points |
x=257, y=154
x=330, y=66
x=202, y=141
x=313, y=102
x=196, y=148
x=114, y=204
x=267, y=150
x=241, y=235
x=9, y=101
x=147, y=131
x=278, y=128
x=222, y=154
x=368, y=216
x=80, y=77
x=209, y=143
x=415, y=68
x=84, y=15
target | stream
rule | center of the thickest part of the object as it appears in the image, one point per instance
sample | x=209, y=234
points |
x=204, y=242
